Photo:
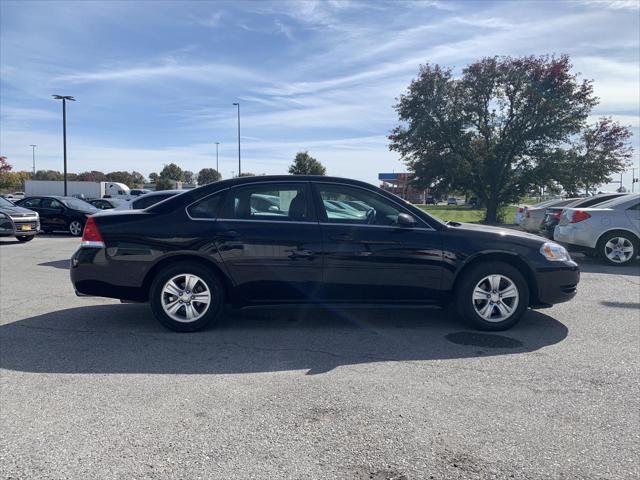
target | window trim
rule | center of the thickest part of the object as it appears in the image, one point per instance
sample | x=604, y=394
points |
x=322, y=212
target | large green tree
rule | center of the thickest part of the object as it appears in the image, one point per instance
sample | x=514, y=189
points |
x=172, y=172
x=164, y=184
x=208, y=175
x=121, y=177
x=92, y=176
x=305, y=164
x=490, y=131
x=48, y=175
x=189, y=177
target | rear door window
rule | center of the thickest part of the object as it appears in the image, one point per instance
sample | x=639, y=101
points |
x=269, y=202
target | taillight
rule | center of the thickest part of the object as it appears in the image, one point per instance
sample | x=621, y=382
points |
x=557, y=215
x=91, y=236
x=520, y=209
x=579, y=216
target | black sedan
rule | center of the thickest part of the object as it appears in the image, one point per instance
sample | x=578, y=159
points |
x=60, y=213
x=192, y=253
x=16, y=221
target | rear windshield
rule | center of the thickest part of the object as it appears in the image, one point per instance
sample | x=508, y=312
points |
x=615, y=202
x=77, y=204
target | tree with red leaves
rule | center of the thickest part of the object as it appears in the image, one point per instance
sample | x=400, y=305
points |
x=5, y=167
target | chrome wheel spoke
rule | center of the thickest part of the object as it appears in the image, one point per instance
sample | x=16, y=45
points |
x=190, y=311
x=190, y=282
x=487, y=310
x=202, y=297
x=504, y=309
x=480, y=294
x=509, y=292
x=173, y=307
x=494, y=281
x=172, y=288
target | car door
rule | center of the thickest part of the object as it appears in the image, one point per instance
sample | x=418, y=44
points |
x=270, y=242
x=368, y=256
x=633, y=214
x=54, y=214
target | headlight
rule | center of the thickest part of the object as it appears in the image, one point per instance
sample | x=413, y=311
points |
x=554, y=252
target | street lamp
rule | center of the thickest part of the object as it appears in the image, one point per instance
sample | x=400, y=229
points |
x=64, y=99
x=33, y=153
x=239, y=164
x=217, y=167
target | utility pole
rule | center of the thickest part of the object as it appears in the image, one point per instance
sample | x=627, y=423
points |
x=33, y=153
x=217, y=166
x=64, y=99
x=633, y=179
x=237, y=104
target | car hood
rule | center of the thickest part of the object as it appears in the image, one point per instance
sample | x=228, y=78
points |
x=499, y=231
x=16, y=210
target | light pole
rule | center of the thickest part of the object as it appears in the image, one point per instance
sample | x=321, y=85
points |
x=33, y=153
x=217, y=166
x=237, y=104
x=64, y=99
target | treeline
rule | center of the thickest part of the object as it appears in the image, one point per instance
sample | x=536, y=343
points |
x=303, y=164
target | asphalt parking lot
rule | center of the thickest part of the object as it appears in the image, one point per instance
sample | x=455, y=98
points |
x=91, y=388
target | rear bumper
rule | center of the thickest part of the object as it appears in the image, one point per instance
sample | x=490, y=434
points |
x=92, y=275
x=574, y=235
x=557, y=284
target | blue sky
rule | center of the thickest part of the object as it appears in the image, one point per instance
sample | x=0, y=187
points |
x=155, y=81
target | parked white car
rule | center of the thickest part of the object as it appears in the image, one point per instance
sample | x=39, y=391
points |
x=611, y=229
x=534, y=215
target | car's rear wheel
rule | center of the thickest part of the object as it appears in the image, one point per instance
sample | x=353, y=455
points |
x=186, y=297
x=618, y=248
x=25, y=238
x=492, y=296
x=75, y=228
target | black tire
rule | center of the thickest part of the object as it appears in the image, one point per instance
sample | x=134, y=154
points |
x=627, y=238
x=75, y=227
x=466, y=305
x=25, y=238
x=211, y=281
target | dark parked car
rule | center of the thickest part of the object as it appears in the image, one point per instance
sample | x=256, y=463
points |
x=552, y=214
x=194, y=252
x=60, y=213
x=16, y=221
x=106, y=203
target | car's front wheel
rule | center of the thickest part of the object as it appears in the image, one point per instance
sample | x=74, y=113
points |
x=492, y=296
x=25, y=238
x=75, y=228
x=618, y=248
x=186, y=297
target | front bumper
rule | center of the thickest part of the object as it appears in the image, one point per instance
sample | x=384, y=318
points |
x=557, y=284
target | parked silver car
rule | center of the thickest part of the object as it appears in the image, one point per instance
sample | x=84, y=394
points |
x=611, y=229
x=534, y=215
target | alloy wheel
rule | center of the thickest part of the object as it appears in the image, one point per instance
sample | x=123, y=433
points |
x=618, y=249
x=495, y=298
x=185, y=298
x=75, y=228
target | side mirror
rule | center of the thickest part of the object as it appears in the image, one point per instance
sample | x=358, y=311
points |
x=406, y=220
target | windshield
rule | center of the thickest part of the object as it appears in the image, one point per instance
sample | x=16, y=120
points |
x=5, y=203
x=78, y=204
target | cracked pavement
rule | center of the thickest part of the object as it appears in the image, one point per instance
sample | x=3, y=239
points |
x=91, y=388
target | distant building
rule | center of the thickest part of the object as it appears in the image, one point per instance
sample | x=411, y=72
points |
x=400, y=185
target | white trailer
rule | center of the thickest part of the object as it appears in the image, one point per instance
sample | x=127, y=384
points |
x=75, y=188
